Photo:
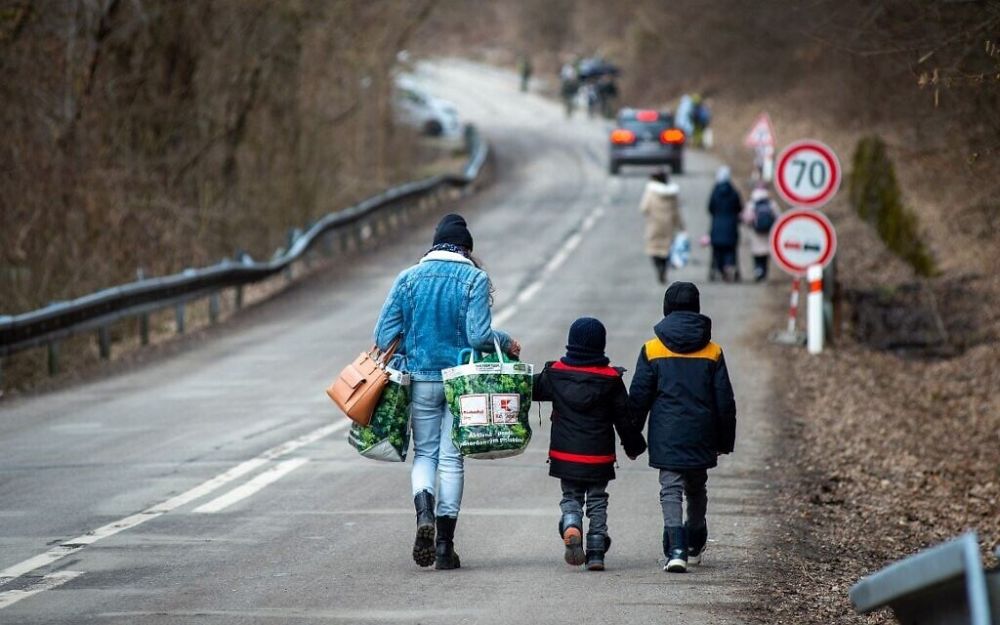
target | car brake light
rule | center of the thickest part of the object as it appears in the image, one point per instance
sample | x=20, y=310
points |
x=647, y=116
x=672, y=135
x=621, y=136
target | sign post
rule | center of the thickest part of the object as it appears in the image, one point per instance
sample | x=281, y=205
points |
x=803, y=240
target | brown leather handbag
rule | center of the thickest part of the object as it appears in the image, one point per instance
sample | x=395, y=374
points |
x=359, y=386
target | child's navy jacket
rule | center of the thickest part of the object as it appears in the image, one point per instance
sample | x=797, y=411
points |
x=588, y=404
x=682, y=382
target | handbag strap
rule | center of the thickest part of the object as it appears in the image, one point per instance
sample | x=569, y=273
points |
x=383, y=357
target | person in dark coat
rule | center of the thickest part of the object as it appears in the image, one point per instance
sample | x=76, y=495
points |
x=725, y=207
x=589, y=402
x=682, y=383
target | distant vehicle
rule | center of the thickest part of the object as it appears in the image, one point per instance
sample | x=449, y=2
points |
x=646, y=137
x=417, y=108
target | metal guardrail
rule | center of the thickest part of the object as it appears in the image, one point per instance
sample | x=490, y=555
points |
x=48, y=325
x=943, y=585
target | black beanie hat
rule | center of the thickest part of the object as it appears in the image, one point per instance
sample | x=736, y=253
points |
x=452, y=229
x=681, y=296
x=587, y=338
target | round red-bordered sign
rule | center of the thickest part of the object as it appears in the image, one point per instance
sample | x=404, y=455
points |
x=808, y=174
x=802, y=238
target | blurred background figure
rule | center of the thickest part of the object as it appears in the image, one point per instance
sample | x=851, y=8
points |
x=660, y=204
x=682, y=116
x=759, y=215
x=701, y=116
x=568, y=84
x=725, y=207
x=525, y=69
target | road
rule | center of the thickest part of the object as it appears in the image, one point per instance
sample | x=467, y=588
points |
x=216, y=486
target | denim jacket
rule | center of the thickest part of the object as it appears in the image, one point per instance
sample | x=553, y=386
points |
x=440, y=306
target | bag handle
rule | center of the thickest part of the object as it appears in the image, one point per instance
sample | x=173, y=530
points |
x=472, y=353
x=381, y=357
x=496, y=345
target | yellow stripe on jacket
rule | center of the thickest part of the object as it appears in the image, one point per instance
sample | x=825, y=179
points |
x=656, y=349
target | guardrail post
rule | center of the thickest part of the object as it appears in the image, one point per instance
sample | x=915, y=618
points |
x=238, y=297
x=1, y=377
x=144, y=329
x=179, y=317
x=327, y=245
x=53, y=358
x=213, y=308
x=104, y=342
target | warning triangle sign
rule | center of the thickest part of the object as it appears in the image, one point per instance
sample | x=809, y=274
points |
x=761, y=134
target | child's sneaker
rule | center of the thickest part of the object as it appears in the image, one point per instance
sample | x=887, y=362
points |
x=572, y=537
x=697, y=539
x=675, y=549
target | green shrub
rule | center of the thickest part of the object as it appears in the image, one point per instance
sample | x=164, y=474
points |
x=874, y=193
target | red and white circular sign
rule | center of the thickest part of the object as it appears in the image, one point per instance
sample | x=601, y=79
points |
x=802, y=238
x=808, y=174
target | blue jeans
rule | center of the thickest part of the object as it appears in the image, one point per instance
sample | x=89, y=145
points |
x=434, y=455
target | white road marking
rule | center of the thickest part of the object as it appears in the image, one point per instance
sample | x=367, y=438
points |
x=76, y=544
x=563, y=253
x=50, y=581
x=239, y=493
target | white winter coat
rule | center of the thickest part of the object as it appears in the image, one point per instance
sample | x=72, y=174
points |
x=661, y=205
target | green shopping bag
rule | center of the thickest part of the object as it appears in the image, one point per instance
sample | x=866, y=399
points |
x=489, y=401
x=387, y=435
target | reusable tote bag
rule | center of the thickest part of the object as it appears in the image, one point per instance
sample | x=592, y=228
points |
x=489, y=400
x=387, y=435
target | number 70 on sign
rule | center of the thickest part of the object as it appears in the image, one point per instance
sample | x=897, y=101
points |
x=808, y=174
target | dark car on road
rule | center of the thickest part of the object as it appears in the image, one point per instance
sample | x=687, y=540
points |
x=646, y=137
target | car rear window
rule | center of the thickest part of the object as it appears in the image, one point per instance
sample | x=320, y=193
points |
x=655, y=127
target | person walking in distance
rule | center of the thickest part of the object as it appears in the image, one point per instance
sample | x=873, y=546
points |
x=660, y=204
x=589, y=403
x=759, y=216
x=682, y=384
x=725, y=207
x=439, y=307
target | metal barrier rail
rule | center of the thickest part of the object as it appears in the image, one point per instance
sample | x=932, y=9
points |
x=96, y=311
x=943, y=585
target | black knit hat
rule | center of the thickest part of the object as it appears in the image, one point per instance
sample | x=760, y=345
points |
x=681, y=296
x=452, y=229
x=587, y=338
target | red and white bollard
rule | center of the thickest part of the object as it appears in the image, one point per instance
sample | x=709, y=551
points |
x=793, y=307
x=814, y=309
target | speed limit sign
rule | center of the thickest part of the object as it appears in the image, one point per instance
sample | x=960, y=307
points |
x=808, y=174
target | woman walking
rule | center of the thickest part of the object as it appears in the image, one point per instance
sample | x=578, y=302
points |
x=725, y=207
x=661, y=205
x=439, y=307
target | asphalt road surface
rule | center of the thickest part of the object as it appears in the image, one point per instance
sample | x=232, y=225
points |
x=216, y=485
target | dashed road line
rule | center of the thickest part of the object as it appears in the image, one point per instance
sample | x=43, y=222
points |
x=239, y=493
x=48, y=582
x=76, y=544
x=554, y=263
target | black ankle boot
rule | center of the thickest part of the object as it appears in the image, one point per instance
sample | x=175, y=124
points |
x=446, y=558
x=571, y=532
x=423, y=544
x=675, y=549
x=697, y=539
x=597, y=546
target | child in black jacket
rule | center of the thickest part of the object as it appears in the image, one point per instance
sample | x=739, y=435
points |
x=589, y=402
x=681, y=380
